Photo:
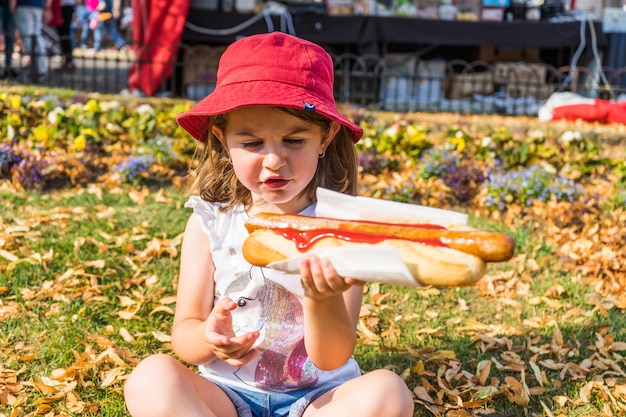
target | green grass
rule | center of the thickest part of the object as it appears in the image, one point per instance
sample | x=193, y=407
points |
x=85, y=281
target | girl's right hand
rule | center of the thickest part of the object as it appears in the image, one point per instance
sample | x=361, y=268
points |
x=219, y=335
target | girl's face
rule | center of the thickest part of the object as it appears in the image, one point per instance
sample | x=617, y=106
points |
x=274, y=155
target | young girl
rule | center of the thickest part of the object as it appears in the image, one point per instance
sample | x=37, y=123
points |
x=266, y=343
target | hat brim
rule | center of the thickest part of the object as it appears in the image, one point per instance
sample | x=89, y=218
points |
x=258, y=93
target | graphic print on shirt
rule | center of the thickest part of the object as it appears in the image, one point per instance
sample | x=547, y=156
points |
x=267, y=306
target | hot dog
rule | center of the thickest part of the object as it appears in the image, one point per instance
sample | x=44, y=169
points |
x=434, y=255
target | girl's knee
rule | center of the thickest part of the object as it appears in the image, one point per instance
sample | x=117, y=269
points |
x=156, y=378
x=151, y=375
x=390, y=391
x=386, y=378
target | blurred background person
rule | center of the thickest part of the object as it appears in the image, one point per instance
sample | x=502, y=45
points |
x=85, y=12
x=64, y=29
x=126, y=24
x=110, y=12
x=29, y=17
x=7, y=29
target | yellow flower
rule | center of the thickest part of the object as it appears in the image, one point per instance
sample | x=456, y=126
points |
x=89, y=132
x=15, y=119
x=92, y=106
x=16, y=102
x=79, y=143
x=41, y=133
x=459, y=142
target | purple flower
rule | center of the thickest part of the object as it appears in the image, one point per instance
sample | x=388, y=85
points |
x=31, y=171
x=528, y=184
x=136, y=168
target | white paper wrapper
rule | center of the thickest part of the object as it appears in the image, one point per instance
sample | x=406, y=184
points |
x=371, y=263
x=336, y=205
x=365, y=264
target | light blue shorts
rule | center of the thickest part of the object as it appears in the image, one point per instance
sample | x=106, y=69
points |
x=272, y=404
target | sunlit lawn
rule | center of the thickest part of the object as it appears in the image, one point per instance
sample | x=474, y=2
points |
x=87, y=286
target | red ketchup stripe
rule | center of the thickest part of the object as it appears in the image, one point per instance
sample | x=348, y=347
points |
x=305, y=239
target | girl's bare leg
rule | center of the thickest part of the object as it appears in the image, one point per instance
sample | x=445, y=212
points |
x=160, y=386
x=377, y=393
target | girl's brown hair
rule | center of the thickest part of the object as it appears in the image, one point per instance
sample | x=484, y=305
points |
x=215, y=179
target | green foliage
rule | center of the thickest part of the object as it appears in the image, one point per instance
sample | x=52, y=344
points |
x=50, y=142
x=619, y=170
x=395, y=142
x=51, y=121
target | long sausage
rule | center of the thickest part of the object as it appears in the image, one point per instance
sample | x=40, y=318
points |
x=489, y=246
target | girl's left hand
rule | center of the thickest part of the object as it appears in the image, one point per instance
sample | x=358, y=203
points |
x=321, y=281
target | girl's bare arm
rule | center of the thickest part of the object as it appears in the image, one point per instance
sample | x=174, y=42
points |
x=194, y=299
x=331, y=312
x=203, y=331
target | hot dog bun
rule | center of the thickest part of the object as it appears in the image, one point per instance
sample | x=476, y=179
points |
x=488, y=246
x=434, y=255
x=429, y=265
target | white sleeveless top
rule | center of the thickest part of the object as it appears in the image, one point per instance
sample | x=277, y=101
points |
x=269, y=301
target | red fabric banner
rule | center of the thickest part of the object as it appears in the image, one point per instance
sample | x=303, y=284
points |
x=157, y=30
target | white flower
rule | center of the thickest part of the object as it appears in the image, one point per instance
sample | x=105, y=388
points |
x=549, y=168
x=53, y=116
x=111, y=127
x=570, y=136
x=145, y=108
x=107, y=106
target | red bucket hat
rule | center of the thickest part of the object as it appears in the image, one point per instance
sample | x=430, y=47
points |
x=272, y=69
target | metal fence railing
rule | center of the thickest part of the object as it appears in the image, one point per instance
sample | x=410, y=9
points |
x=397, y=82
